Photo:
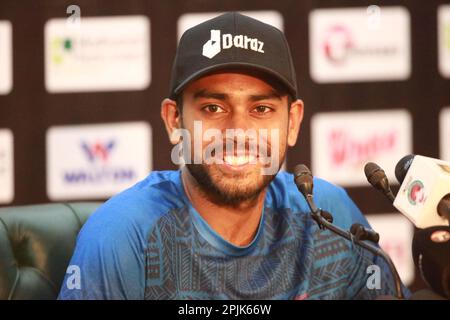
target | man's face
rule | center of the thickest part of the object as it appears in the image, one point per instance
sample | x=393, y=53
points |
x=231, y=100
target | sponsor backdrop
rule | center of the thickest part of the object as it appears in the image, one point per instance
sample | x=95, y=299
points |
x=81, y=84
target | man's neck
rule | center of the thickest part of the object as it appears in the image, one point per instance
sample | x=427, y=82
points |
x=237, y=225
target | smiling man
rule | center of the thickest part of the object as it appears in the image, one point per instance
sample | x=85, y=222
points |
x=229, y=224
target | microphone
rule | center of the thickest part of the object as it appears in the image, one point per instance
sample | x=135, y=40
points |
x=424, y=194
x=431, y=253
x=424, y=198
x=304, y=181
x=362, y=233
x=378, y=179
x=402, y=167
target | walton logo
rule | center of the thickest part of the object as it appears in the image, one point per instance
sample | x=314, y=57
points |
x=98, y=151
x=105, y=173
x=217, y=43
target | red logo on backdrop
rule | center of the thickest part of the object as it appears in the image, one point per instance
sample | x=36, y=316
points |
x=338, y=42
x=393, y=248
x=346, y=149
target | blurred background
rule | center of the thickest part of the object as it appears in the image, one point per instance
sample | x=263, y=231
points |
x=81, y=84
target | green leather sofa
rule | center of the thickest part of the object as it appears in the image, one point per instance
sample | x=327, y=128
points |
x=36, y=244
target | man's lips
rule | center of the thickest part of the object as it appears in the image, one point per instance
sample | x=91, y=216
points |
x=239, y=160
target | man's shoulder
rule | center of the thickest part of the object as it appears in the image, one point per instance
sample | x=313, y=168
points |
x=284, y=188
x=327, y=196
x=139, y=206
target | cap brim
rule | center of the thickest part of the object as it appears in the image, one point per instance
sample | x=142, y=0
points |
x=234, y=65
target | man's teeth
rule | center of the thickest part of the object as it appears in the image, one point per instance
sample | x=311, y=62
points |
x=239, y=160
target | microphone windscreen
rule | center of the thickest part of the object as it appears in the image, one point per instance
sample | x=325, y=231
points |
x=370, y=168
x=301, y=169
x=402, y=167
x=376, y=176
x=303, y=179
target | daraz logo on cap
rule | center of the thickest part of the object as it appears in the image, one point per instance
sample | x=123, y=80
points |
x=214, y=45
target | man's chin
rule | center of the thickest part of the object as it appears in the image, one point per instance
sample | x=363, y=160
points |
x=230, y=186
x=226, y=170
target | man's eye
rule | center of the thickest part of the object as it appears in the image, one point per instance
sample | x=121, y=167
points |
x=213, y=108
x=262, y=109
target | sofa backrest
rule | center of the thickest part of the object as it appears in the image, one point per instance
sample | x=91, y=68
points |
x=36, y=244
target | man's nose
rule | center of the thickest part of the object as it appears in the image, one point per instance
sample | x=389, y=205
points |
x=243, y=134
x=239, y=120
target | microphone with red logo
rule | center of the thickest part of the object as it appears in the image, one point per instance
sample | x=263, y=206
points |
x=424, y=198
x=426, y=208
x=424, y=194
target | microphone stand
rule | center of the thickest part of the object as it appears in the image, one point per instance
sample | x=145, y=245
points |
x=324, y=224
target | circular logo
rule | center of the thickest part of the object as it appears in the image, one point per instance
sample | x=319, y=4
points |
x=440, y=236
x=416, y=193
x=338, y=42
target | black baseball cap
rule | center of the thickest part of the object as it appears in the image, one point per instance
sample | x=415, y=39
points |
x=232, y=41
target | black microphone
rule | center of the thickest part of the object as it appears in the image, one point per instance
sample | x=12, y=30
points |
x=303, y=179
x=443, y=207
x=402, y=167
x=377, y=178
x=362, y=233
x=304, y=182
x=431, y=253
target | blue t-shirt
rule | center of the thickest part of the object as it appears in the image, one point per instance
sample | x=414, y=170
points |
x=148, y=242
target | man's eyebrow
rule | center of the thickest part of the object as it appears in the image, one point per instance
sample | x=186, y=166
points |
x=204, y=93
x=271, y=95
x=212, y=95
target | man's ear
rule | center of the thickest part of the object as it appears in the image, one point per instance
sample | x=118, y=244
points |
x=172, y=118
x=295, y=121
